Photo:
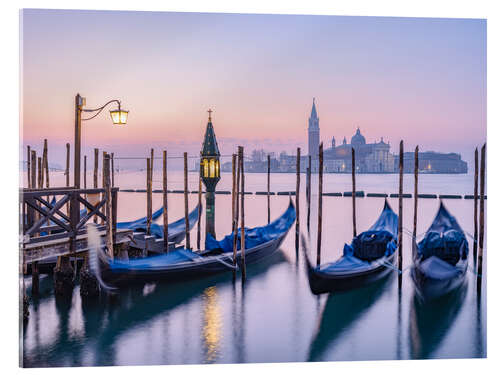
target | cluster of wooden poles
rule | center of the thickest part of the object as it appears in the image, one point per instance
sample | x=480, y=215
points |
x=478, y=241
x=238, y=197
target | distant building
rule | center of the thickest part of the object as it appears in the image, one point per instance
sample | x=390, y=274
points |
x=432, y=162
x=313, y=132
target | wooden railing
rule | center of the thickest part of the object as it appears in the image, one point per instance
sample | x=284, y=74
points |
x=51, y=214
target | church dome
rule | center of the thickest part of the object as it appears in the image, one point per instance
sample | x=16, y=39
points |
x=357, y=139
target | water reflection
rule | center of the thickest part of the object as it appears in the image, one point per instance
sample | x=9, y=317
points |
x=430, y=321
x=212, y=324
x=340, y=311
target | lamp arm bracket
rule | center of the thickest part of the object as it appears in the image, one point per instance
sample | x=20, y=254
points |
x=99, y=110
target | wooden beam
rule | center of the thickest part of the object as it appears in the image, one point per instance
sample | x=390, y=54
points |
x=165, y=202
x=476, y=173
x=400, y=213
x=242, y=202
x=186, y=203
x=320, y=204
x=297, y=201
x=353, y=173
x=415, y=205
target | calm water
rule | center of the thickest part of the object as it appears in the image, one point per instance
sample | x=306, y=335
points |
x=273, y=317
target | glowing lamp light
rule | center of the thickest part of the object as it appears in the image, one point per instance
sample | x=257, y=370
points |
x=119, y=116
x=210, y=168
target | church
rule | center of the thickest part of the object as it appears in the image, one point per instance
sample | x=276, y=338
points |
x=370, y=157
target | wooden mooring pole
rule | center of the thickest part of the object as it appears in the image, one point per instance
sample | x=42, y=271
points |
x=107, y=188
x=28, y=166
x=320, y=203
x=85, y=171
x=198, y=229
x=235, y=208
x=46, y=165
x=353, y=173
x=481, y=218
x=476, y=170
x=242, y=200
x=33, y=169
x=415, y=205
x=113, y=169
x=400, y=213
x=297, y=207
x=268, y=188
x=40, y=173
x=165, y=202
x=149, y=197
x=308, y=192
x=186, y=205
x=67, y=164
x=96, y=171
x=45, y=169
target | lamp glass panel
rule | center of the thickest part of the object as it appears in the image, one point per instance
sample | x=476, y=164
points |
x=212, y=168
x=205, y=167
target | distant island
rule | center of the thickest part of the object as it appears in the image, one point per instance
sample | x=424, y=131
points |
x=370, y=157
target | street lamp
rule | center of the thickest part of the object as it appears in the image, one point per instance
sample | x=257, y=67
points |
x=210, y=173
x=118, y=116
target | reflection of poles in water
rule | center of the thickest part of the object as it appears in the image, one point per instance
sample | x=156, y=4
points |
x=430, y=321
x=399, y=327
x=338, y=314
x=479, y=328
x=212, y=324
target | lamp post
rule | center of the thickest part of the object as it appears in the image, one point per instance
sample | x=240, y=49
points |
x=118, y=116
x=210, y=173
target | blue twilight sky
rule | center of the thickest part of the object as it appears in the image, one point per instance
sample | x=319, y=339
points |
x=418, y=79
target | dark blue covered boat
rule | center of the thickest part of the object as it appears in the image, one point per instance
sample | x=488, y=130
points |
x=367, y=259
x=176, y=230
x=440, y=259
x=260, y=242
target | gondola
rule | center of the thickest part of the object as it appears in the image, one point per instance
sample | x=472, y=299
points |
x=176, y=234
x=440, y=259
x=176, y=230
x=260, y=242
x=368, y=258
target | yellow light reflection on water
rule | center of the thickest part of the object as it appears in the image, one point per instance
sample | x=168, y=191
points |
x=212, y=324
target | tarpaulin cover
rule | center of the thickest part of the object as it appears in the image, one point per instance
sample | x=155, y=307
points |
x=152, y=262
x=254, y=236
x=438, y=269
x=140, y=225
x=444, y=239
x=379, y=240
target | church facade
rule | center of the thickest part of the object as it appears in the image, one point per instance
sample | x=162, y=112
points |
x=370, y=157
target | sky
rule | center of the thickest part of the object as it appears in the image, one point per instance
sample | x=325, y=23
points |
x=422, y=80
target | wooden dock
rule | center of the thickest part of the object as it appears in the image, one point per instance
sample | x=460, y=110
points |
x=52, y=223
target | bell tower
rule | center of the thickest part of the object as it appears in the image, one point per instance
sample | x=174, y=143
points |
x=313, y=132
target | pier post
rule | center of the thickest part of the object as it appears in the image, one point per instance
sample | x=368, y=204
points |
x=112, y=169
x=67, y=164
x=415, y=205
x=308, y=192
x=96, y=171
x=40, y=173
x=481, y=217
x=198, y=229
x=85, y=171
x=353, y=173
x=28, y=166
x=235, y=209
x=242, y=171
x=165, y=202
x=186, y=203
x=45, y=169
x=297, y=208
x=46, y=165
x=149, y=197
x=152, y=162
x=33, y=169
x=268, y=188
x=107, y=191
x=476, y=169
x=35, y=279
x=400, y=213
x=320, y=204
